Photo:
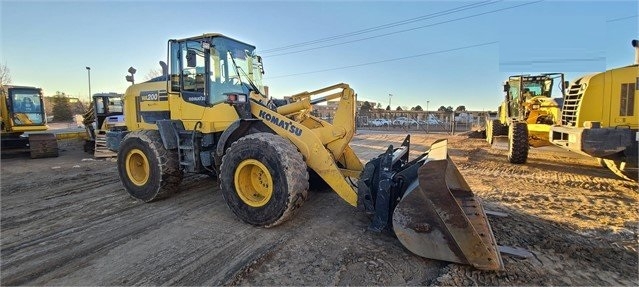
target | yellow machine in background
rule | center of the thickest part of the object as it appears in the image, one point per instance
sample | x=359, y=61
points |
x=600, y=118
x=526, y=114
x=104, y=114
x=23, y=118
x=207, y=114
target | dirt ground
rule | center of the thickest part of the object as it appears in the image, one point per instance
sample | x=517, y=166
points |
x=68, y=221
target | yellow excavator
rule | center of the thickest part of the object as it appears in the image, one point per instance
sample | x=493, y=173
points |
x=23, y=119
x=208, y=114
x=600, y=118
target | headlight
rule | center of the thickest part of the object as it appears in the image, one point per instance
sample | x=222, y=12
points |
x=235, y=98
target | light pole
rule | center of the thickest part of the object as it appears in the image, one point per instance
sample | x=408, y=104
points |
x=389, y=101
x=89, y=75
x=427, y=117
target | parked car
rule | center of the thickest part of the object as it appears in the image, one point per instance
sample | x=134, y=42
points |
x=379, y=123
x=464, y=118
x=404, y=121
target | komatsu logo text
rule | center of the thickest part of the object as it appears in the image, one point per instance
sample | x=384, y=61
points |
x=287, y=125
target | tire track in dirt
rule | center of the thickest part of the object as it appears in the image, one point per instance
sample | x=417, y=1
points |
x=74, y=231
x=46, y=254
x=550, y=170
x=561, y=257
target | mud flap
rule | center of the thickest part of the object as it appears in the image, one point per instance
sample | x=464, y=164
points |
x=43, y=145
x=439, y=217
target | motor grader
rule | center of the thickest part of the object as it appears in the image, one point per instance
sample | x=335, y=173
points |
x=526, y=115
x=208, y=114
x=23, y=121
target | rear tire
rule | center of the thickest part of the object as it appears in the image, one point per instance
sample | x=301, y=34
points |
x=518, y=143
x=263, y=179
x=147, y=170
x=489, y=132
x=495, y=128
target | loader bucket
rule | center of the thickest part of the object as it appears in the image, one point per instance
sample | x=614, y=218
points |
x=434, y=213
x=440, y=218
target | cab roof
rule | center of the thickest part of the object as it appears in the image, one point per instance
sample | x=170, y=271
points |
x=211, y=35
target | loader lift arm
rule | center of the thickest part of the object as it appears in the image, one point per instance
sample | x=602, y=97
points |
x=323, y=145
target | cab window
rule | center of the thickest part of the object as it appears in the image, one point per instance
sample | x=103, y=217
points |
x=187, y=67
x=193, y=67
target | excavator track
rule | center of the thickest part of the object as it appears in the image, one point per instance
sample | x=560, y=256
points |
x=43, y=145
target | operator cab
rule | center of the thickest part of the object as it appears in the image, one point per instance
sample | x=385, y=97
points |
x=26, y=106
x=106, y=106
x=213, y=68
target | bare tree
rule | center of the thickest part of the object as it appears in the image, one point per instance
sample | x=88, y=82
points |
x=153, y=73
x=5, y=75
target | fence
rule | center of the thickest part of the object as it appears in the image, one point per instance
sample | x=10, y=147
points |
x=364, y=123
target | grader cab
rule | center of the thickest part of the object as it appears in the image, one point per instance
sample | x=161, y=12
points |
x=208, y=114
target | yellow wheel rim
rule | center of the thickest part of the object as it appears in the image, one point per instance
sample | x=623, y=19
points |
x=137, y=167
x=253, y=183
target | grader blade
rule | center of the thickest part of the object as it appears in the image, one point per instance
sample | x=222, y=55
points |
x=500, y=142
x=439, y=217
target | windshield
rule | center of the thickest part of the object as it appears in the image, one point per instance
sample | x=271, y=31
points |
x=233, y=68
x=538, y=88
x=27, y=108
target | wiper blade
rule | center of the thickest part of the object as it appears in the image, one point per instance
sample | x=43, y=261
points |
x=237, y=71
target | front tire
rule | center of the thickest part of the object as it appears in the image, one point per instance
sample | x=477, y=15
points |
x=147, y=170
x=263, y=179
x=518, y=142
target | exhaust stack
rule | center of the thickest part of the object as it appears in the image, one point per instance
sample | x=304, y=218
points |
x=635, y=43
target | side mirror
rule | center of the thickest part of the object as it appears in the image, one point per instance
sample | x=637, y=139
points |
x=566, y=85
x=165, y=68
x=506, y=87
x=190, y=59
x=131, y=78
x=261, y=65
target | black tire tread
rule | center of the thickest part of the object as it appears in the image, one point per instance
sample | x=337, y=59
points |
x=495, y=128
x=295, y=170
x=168, y=162
x=518, y=143
x=489, y=131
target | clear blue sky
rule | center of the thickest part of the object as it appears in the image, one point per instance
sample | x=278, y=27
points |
x=48, y=44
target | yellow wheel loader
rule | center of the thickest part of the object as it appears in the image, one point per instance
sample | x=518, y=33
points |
x=600, y=118
x=208, y=114
x=23, y=120
x=526, y=115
